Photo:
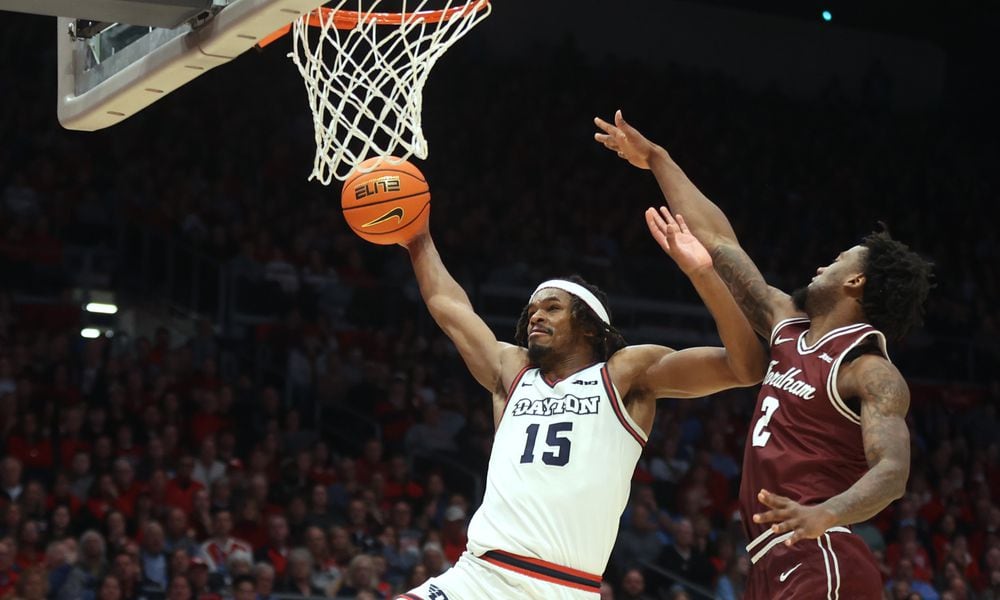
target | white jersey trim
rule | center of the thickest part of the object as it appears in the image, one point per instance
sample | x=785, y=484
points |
x=777, y=540
x=627, y=416
x=510, y=392
x=620, y=410
x=832, y=567
x=780, y=324
x=831, y=380
x=839, y=331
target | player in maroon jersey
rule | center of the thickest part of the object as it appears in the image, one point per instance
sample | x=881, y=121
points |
x=829, y=445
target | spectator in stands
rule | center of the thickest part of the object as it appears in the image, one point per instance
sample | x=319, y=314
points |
x=207, y=468
x=90, y=567
x=264, y=577
x=638, y=541
x=325, y=569
x=57, y=565
x=732, y=582
x=435, y=433
x=682, y=559
x=30, y=447
x=607, y=591
x=341, y=548
x=991, y=567
x=177, y=533
x=109, y=588
x=116, y=531
x=221, y=493
x=126, y=486
x=409, y=537
x=633, y=586
x=296, y=511
x=180, y=562
x=903, y=583
x=29, y=546
x=8, y=574
x=81, y=477
x=400, y=484
x=217, y=549
x=180, y=589
x=12, y=519
x=126, y=567
x=417, y=575
x=908, y=546
x=60, y=524
x=276, y=550
x=239, y=563
x=957, y=552
x=11, y=485
x=181, y=489
x=201, y=513
x=298, y=576
x=453, y=533
x=243, y=588
x=249, y=525
x=360, y=577
x=992, y=590
x=202, y=582
x=371, y=461
x=319, y=508
x=153, y=558
x=361, y=525
x=32, y=584
x=678, y=593
x=433, y=558
x=347, y=485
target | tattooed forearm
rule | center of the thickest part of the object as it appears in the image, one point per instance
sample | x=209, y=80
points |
x=884, y=402
x=746, y=284
x=869, y=495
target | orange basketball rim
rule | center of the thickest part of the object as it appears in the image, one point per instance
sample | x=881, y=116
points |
x=349, y=19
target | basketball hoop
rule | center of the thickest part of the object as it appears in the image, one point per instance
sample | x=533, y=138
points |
x=365, y=76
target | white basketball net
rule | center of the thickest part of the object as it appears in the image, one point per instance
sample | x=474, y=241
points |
x=365, y=80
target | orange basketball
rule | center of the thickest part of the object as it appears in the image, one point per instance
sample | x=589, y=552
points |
x=386, y=206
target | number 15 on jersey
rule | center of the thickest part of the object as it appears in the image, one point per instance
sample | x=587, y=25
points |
x=558, y=456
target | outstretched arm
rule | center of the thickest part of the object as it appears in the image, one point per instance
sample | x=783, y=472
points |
x=762, y=304
x=645, y=373
x=884, y=402
x=452, y=311
x=745, y=357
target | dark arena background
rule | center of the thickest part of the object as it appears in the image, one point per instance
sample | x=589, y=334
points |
x=264, y=360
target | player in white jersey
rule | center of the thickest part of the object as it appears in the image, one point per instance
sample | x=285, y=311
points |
x=572, y=407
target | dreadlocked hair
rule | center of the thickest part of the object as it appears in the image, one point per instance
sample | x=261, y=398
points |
x=897, y=281
x=604, y=339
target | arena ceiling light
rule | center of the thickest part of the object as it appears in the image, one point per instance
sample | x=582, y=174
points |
x=104, y=308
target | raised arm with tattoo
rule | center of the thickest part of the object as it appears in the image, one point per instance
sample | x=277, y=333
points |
x=763, y=305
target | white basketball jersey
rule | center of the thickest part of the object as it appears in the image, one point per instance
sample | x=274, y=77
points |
x=560, y=471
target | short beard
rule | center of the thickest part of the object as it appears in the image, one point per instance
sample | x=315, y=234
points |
x=800, y=297
x=536, y=353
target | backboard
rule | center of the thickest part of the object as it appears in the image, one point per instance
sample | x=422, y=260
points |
x=110, y=71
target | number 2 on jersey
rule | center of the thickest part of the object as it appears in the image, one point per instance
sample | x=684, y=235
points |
x=760, y=433
x=560, y=457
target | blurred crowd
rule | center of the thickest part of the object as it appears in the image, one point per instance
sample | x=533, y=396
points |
x=155, y=466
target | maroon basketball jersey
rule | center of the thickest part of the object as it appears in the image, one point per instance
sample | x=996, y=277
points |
x=804, y=441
